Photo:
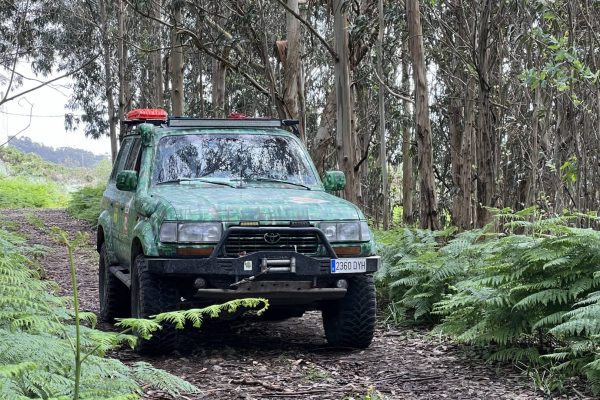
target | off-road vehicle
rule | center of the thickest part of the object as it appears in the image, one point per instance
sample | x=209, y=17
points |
x=200, y=211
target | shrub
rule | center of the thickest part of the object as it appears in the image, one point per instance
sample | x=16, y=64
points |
x=529, y=297
x=85, y=203
x=37, y=341
x=20, y=193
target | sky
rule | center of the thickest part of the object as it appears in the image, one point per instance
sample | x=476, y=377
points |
x=47, y=106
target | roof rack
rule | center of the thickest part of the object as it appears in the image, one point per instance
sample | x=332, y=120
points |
x=159, y=117
x=224, y=123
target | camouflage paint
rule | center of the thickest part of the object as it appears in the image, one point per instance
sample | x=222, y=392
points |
x=129, y=216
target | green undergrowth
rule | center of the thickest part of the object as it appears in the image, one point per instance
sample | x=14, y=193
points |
x=85, y=203
x=28, y=181
x=32, y=166
x=45, y=354
x=18, y=192
x=524, y=289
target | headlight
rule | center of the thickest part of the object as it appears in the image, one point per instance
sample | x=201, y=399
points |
x=168, y=232
x=191, y=232
x=346, y=231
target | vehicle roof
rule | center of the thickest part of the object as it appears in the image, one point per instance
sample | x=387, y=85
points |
x=169, y=131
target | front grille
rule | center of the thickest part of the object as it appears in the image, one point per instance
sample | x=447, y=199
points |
x=249, y=242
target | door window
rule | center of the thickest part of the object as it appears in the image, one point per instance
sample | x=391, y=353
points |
x=132, y=162
x=121, y=158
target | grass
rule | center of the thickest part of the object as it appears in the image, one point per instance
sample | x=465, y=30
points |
x=19, y=192
x=28, y=181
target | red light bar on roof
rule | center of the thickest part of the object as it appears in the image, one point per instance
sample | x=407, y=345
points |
x=147, y=114
x=237, y=116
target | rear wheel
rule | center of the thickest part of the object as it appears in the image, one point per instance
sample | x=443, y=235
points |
x=350, y=322
x=150, y=295
x=113, y=294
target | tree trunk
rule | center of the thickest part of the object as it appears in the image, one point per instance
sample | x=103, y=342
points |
x=408, y=184
x=291, y=75
x=219, y=71
x=122, y=55
x=535, y=150
x=108, y=86
x=486, y=150
x=177, y=95
x=344, y=135
x=428, y=198
x=461, y=136
x=382, y=143
x=323, y=138
x=156, y=71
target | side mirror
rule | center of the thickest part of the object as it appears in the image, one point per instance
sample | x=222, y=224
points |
x=127, y=181
x=334, y=180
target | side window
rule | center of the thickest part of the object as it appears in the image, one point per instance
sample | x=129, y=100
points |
x=121, y=158
x=132, y=162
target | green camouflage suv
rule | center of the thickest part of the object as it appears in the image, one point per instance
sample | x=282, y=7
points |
x=201, y=211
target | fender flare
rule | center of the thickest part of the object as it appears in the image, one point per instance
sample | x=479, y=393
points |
x=144, y=232
x=105, y=223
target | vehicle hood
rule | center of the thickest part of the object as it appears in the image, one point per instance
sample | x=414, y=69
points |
x=199, y=203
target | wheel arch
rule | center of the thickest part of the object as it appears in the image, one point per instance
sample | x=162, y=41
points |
x=100, y=238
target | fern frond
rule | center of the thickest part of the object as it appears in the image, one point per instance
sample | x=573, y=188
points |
x=15, y=370
x=143, y=327
x=544, y=297
x=550, y=320
x=156, y=378
x=515, y=354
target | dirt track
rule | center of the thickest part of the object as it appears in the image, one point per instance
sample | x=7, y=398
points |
x=291, y=359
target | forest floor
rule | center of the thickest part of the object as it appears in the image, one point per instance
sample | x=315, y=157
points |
x=291, y=359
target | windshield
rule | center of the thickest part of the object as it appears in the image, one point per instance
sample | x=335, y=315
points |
x=232, y=157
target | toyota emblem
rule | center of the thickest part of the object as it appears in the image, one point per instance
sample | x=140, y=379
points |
x=272, y=238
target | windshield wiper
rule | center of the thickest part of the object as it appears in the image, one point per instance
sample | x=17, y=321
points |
x=178, y=180
x=260, y=179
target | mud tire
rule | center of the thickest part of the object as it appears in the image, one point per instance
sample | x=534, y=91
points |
x=350, y=322
x=150, y=295
x=112, y=293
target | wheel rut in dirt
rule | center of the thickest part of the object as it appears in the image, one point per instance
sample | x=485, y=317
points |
x=288, y=359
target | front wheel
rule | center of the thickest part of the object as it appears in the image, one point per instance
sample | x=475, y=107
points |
x=113, y=294
x=150, y=295
x=350, y=322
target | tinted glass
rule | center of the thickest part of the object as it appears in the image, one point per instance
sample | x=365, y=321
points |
x=134, y=155
x=121, y=158
x=232, y=157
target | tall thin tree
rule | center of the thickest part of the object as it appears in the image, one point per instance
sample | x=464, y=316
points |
x=428, y=197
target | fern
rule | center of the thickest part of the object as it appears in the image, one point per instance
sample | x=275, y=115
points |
x=195, y=316
x=524, y=287
x=37, y=341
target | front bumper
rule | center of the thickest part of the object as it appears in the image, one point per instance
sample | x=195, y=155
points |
x=282, y=276
x=289, y=263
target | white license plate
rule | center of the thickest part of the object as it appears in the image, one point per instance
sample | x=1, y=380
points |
x=348, y=265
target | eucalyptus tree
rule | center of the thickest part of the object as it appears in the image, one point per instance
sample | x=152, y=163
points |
x=28, y=31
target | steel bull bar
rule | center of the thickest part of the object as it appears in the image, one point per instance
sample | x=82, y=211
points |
x=296, y=273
